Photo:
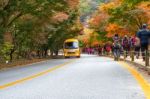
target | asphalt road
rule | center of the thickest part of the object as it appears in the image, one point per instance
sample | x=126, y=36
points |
x=89, y=77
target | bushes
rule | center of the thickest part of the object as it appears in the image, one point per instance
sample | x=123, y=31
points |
x=6, y=51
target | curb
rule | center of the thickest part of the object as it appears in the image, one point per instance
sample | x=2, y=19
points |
x=146, y=68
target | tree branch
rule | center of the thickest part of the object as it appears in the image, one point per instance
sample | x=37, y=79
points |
x=14, y=18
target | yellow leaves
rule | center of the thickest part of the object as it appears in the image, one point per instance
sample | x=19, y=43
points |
x=88, y=31
x=106, y=7
x=77, y=27
x=89, y=36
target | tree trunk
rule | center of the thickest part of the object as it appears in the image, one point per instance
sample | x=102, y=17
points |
x=38, y=54
x=56, y=53
x=11, y=54
x=45, y=53
x=52, y=53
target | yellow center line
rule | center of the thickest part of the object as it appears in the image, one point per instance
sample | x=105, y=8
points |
x=33, y=76
x=140, y=79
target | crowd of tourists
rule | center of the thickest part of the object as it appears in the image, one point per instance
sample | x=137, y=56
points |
x=137, y=44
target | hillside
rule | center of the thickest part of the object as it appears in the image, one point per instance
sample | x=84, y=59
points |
x=87, y=7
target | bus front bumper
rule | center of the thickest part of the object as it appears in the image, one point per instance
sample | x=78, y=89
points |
x=69, y=54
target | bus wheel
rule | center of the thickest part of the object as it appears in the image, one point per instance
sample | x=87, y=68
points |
x=78, y=56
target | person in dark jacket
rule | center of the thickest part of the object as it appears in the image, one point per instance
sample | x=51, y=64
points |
x=144, y=36
x=126, y=45
x=116, y=47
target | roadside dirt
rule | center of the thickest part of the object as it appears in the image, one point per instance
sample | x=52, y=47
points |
x=24, y=62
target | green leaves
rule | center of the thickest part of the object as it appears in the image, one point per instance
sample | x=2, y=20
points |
x=31, y=25
x=63, y=30
x=132, y=3
x=5, y=50
x=128, y=15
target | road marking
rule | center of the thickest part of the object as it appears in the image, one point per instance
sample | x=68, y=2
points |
x=140, y=79
x=33, y=76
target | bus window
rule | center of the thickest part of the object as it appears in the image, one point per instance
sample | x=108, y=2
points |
x=71, y=45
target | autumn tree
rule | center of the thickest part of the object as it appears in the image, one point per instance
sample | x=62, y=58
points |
x=124, y=17
x=32, y=24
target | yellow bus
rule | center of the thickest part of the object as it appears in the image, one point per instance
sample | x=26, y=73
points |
x=71, y=48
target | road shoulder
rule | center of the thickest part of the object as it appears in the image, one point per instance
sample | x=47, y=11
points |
x=140, y=77
x=140, y=69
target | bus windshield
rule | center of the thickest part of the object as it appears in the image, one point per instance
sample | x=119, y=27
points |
x=71, y=45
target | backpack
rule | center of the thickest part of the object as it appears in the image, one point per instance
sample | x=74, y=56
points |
x=133, y=41
x=117, y=46
x=125, y=42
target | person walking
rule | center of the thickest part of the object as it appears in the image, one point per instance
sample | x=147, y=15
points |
x=132, y=43
x=88, y=50
x=116, y=47
x=100, y=50
x=126, y=45
x=144, y=36
x=108, y=49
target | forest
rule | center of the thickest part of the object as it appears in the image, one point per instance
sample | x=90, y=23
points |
x=32, y=27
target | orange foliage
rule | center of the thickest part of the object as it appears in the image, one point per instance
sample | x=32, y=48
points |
x=95, y=43
x=106, y=6
x=73, y=3
x=145, y=6
x=98, y=19
x=85, y=40
x=60, y=16
x=112, y=29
